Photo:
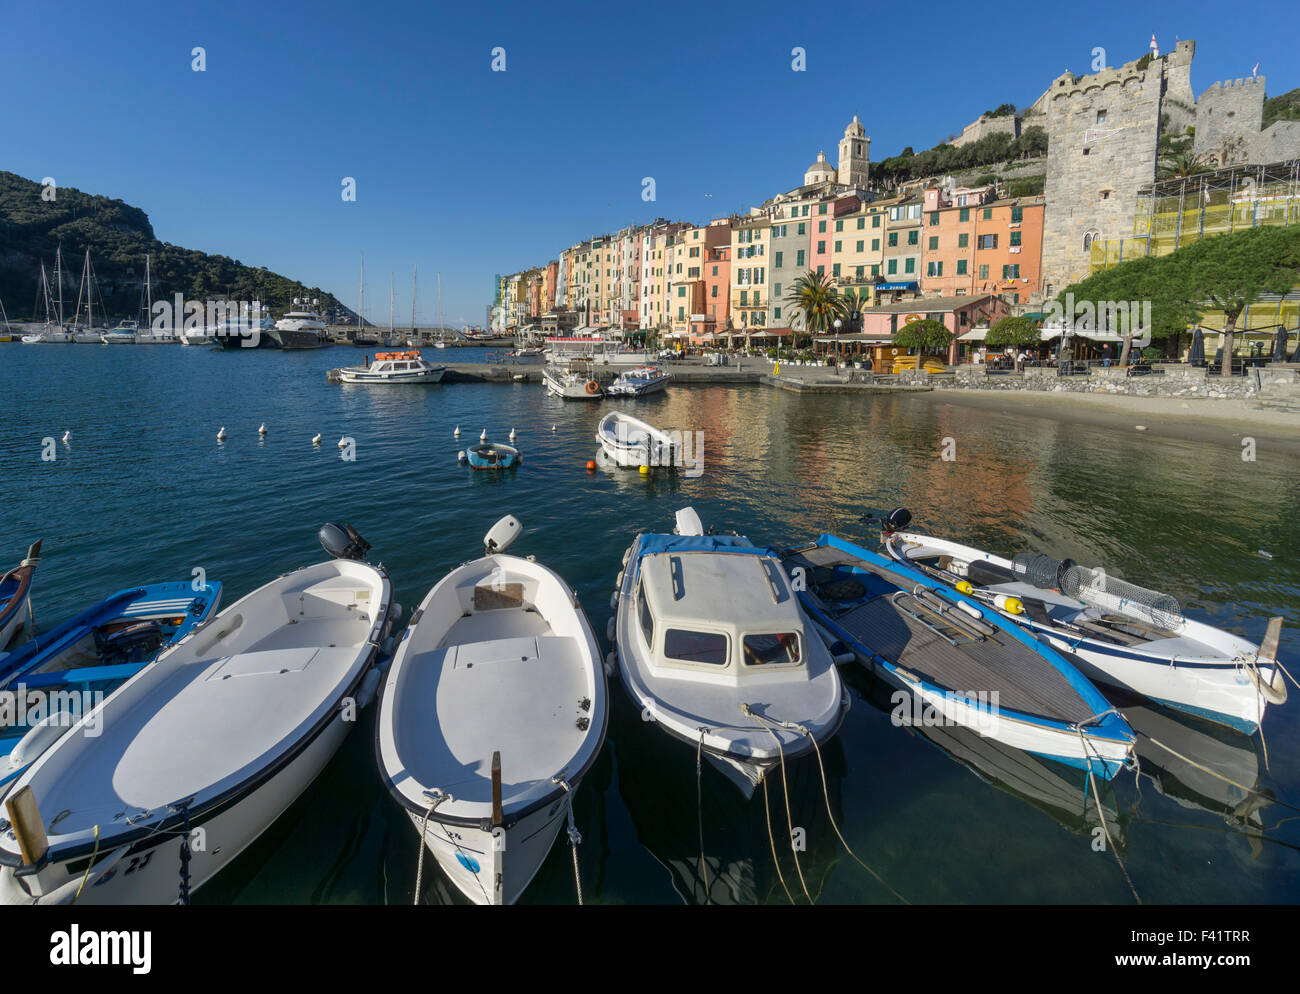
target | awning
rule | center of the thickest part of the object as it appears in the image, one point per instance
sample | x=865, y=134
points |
x=974, y=335
x=910, y=285
x=857, y=339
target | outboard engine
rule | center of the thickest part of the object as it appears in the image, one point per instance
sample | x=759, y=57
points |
x=132, y=643
x=502, y=535
x=343, y=541
x=897, y=519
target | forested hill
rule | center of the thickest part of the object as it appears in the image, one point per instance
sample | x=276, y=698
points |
x=119, y=236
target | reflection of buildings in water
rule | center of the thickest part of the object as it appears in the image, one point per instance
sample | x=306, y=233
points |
x=1201, y=765
x=1053, y=788
x=657, y=781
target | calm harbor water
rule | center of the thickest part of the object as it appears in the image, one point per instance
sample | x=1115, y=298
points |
x=144, y=492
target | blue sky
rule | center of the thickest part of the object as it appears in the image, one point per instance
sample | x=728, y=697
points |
x=470, y=172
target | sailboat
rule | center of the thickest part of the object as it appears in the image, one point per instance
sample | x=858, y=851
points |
x=360, y=340
x=146, y=336
x=50, y=333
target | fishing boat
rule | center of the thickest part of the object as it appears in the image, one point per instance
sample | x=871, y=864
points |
x=391, y=367
x=493, y=711
x=492, y=455
x=639, y=381
x=15, y=594
x=302, y=327
x=959, y=661
x=571, y=384
x=715, y=650
x=222, y=733
x=629, y=441
x=92, y=655
x=1117, y=632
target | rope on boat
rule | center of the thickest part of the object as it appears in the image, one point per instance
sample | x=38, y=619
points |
x=575, y=838
x=699, y=806
x=767, y=812
x=436, y=797
x=1252, y=665
x=1096, y=798
x=785, y=790
x=86, y=876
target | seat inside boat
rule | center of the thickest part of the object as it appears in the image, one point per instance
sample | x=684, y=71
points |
x=904, y=630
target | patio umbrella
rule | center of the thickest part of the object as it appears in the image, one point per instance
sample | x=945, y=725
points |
x=1279, y=349
x=1196, y=354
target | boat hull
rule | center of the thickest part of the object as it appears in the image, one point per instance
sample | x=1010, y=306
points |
x=349, y=374
x=295, y=339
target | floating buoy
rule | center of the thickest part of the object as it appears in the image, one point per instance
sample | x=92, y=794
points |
x=456, y=433
x=343, y=442
x=645, y=470
x=462, y=457
x=67, y=437
x=262, y=429
x=315, y=439
x=964, y=587
x=591, y=465
x=512, y=434
x=1140, y=427
x=1265, y=554
x=221, y=435
x=552, y=427
x=483, y=435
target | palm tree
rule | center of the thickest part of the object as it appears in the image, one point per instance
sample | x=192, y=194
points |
x=1179, y=165
x=815, y=297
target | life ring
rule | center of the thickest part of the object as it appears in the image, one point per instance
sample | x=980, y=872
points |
x=893, y=351
x=593, y=387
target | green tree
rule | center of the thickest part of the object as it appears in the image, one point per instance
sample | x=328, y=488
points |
x=1015, y=331
x=816, y=298
x=925, y=336
x=1178, y=165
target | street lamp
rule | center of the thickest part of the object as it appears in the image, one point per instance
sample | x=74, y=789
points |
x=838, y=324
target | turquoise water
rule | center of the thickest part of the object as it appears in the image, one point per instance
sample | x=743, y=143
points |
x=144, y=492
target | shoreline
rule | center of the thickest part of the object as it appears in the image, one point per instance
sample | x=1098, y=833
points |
x=1217, y=421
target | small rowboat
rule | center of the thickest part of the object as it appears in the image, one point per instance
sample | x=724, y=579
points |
x=15, y=591
x=629, y=441
x=492, y=455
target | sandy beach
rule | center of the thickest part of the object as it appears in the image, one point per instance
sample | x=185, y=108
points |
x=1220, y=422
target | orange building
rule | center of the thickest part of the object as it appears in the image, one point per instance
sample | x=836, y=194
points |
x=982, y=247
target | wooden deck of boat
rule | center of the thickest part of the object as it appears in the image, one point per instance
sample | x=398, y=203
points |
x=1024, y=680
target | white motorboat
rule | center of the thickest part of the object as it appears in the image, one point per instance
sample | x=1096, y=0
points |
x=714, y=648
x=571, y=384
x=48, y=336
x=161, y=785
x=578, y=349
x=301, y=328
x=1118, y=633
x=631, y=442
x=82, y=337
x=639, y=381
x=391, y=367
x=493, y=710
x=123, y=334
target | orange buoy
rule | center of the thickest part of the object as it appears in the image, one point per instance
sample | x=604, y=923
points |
x=591, y=465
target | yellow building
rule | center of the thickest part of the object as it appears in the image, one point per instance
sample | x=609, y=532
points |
x=750, y=261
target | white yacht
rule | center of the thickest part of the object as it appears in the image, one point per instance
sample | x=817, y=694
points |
x=714, y=649
x=123, y=334
x=302, y=327
x=391, y=367
x=639, y=381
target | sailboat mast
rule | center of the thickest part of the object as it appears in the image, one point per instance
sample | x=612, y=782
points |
x=392, y=289
x=360, y=319
x=58, y=279
x=415, y=282
x=442, y=331
x=90, y=321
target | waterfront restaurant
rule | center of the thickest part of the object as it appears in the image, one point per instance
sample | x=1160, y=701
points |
x=958, y=314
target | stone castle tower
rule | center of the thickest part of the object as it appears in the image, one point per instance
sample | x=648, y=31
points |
x=1228, y=116
x=855, y=155
x=1103, y=132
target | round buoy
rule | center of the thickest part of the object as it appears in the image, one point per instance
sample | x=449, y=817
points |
x=645, y=470
x=461, y=456
x=591, y=465
x=456, y=433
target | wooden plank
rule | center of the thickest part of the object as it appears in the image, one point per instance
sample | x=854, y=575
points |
x=26, y=820
x=497, y=816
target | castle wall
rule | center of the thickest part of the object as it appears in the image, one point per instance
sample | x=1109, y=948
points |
x=1229, y=112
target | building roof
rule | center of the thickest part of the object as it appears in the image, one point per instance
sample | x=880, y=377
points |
x=921, y=305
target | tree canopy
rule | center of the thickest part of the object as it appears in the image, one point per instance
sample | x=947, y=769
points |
x=1016, y=331
x=926, y=335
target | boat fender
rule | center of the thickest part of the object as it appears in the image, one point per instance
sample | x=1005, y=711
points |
x=611, y=662
x=40, y=737
x=627, y=554
x=613, y=601
x=369, y=684
x=964, y=587
x=1011, y=605
x=609, y=630
x=618, y=580
x=971, y=609
x=1274, y=690
x=394, y=614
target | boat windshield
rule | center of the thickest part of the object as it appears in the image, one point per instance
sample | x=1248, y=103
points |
x=775, y=647
x=695, y=647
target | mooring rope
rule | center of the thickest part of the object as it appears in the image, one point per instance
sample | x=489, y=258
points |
x=574, y=837
x=699, y=806
x=1218, y=775
x=85, y=876
x=1096, y=798
x=785, y=790
x=767, y=812
x=437, y=798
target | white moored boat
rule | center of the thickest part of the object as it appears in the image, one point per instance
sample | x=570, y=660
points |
x=220, y=734
x=492, y=712
x=715, y=650
x=391, y=367
x=639, y=381
x=1117, y=633
x=631, y=442
x=571, y=384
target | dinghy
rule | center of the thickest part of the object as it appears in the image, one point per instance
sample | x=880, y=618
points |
x=714, y=649
x=961, y=662
x=492, y=455
x=61, y=674
x=493, y=711
x=629, y=441
x=15, y=594
x=196, y=755
x=1118, y=633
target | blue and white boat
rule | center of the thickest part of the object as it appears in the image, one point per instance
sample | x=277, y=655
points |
x=52, y=680
x=15, y=593
x=492, y=455
x=958, y=661
x=639, y=381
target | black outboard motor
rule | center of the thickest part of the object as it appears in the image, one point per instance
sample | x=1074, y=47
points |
x=132, y=643
x=897, y=519
x=343, y=541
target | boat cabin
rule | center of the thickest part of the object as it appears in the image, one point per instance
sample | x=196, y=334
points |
x=396, y=362
x=716, y=609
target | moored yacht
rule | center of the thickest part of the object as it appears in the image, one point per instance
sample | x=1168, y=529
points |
x=639, y=381
x=391, y=367
x=302, y=327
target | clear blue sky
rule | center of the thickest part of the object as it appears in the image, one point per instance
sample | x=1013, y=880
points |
x=469, y=172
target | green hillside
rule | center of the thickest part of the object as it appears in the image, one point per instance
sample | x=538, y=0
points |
x=118, y=236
